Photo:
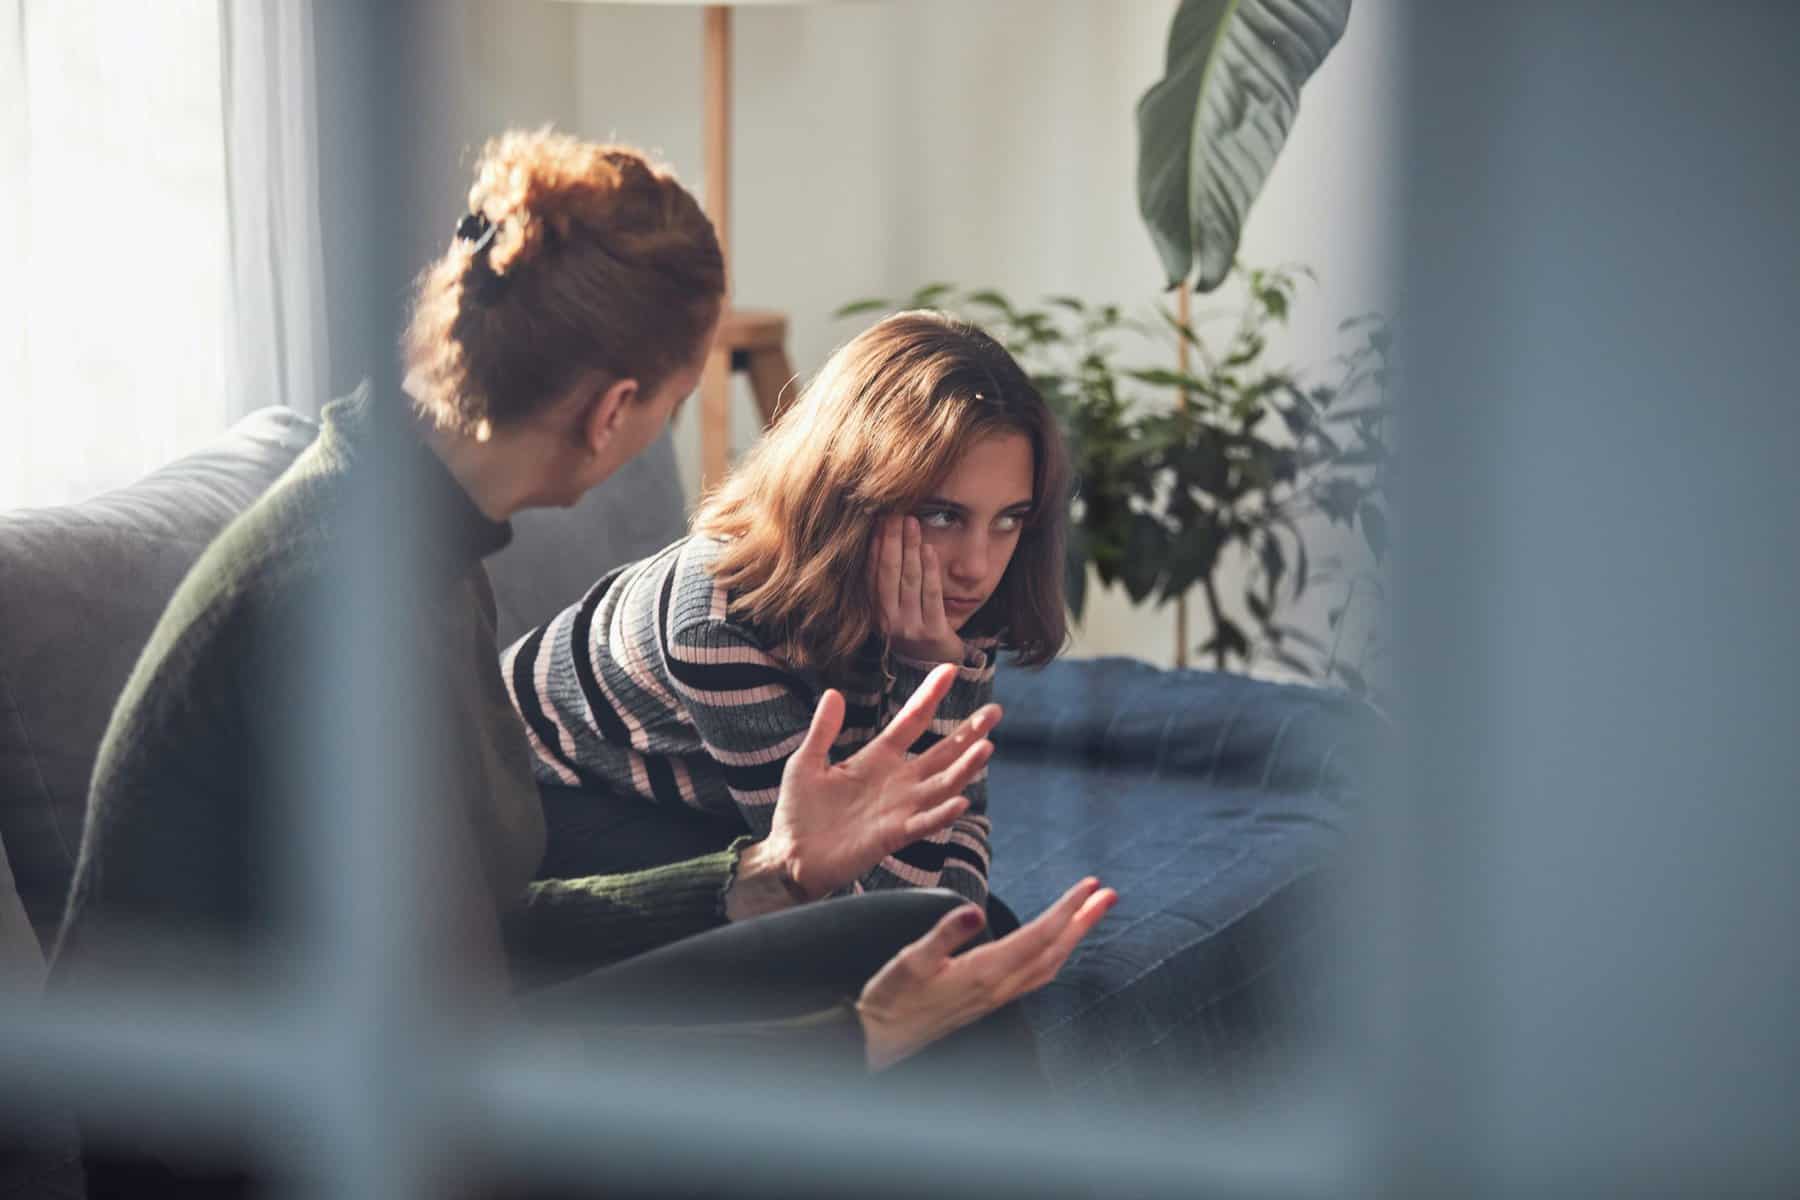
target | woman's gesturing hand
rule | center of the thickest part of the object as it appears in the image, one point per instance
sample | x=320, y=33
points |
x=834, y=823
x=909, y=594
x=923, y=993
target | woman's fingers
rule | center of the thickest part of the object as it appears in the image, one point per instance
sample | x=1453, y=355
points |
x=827, y=723
x=912, y=575
x=1022, y=947
x=1054, y=917
x=1050, y=960
x=915, y=717
x=889, y=556
x=925, y=957
x=972, y=729
x=878, y=580
x=931, y=591
x=929, y=822
x=962, y=772
x=922, y=993
x=913, y=1000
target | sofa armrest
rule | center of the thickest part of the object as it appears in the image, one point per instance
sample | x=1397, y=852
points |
x=21, y=958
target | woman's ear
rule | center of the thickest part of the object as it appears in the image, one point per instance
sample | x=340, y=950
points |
x=605, y=411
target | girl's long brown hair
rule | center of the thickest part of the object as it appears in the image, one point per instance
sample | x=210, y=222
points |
x=873, y=434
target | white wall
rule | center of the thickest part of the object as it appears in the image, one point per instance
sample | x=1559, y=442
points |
x=885, y=144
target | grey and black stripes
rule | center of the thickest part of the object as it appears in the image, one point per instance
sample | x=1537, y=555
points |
x=648, y=689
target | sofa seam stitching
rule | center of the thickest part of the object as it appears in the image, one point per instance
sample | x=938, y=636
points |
x=31, y=754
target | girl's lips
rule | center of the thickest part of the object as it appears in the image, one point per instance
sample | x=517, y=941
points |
x=953, y=602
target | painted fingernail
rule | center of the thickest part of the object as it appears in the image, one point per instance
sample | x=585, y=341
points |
x=969, y=918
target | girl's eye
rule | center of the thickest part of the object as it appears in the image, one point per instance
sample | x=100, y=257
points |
x=937, y=520
x=1009, y=523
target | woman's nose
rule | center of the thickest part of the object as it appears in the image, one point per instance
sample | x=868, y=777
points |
x=968, y=559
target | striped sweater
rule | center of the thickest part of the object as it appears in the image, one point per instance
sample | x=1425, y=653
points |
x=649, y=688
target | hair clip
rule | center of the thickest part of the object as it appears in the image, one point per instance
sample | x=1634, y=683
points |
x=476, y=228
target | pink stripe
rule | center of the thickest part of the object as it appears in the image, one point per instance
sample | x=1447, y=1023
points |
x=634, y=728
x=751, y=758
x=641, y=670
x=540, y=673
x=640, y=777
x=721, y=604
x=536, y=743
x=957, y=864
x=637, y=668
x=740, y=698
x=970, y=843
x=963, y=832
x=697, y=555
x=729, y=653
x=909, y=874
x=684, y=780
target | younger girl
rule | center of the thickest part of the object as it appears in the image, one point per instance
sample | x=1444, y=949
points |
x=907, y=510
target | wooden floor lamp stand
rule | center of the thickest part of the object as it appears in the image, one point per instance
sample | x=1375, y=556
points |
x=749, y=340
x=753, y=341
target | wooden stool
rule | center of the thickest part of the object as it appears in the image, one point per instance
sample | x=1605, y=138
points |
x=753, y=341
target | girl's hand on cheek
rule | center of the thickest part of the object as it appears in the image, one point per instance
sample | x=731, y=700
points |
x=909, y=591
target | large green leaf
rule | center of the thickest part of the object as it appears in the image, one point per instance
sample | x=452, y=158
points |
x=1209, y=131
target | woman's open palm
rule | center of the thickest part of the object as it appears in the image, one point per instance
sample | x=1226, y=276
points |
x=834, y=822
x=928, y=990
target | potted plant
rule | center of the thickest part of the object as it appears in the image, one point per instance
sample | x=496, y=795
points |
x=1182, y=477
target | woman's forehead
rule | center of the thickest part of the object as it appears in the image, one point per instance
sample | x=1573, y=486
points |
x=996, y=469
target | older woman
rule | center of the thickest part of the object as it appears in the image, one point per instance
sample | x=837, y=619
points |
x=549, y=344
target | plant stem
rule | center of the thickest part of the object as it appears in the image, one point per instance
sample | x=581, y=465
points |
x=1212, y=607
x=1185, y=310
x=1337, y=634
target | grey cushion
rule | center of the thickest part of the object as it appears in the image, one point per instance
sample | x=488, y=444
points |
x=557, y=553
x=81, y=587
x=21, y=958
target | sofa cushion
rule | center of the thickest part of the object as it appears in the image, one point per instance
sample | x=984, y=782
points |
x=21, y=957
x=1217, y=806
x=81, y=587
x=557, y=553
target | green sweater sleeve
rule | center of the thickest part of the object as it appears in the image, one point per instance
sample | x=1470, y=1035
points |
x=567, y=927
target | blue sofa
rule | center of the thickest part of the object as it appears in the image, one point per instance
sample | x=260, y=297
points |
x=1215, y=804
x=1211, y=802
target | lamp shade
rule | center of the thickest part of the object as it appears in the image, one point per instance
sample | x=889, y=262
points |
x=722, y=3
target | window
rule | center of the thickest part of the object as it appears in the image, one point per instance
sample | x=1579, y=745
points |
x=112, y=169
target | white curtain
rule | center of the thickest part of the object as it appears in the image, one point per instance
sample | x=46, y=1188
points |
x=276, y=344
x=156, y=274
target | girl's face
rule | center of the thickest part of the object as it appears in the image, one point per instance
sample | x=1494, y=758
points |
x=974, y=518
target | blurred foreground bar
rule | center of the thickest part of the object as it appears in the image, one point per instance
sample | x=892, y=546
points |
x=1583, y=968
